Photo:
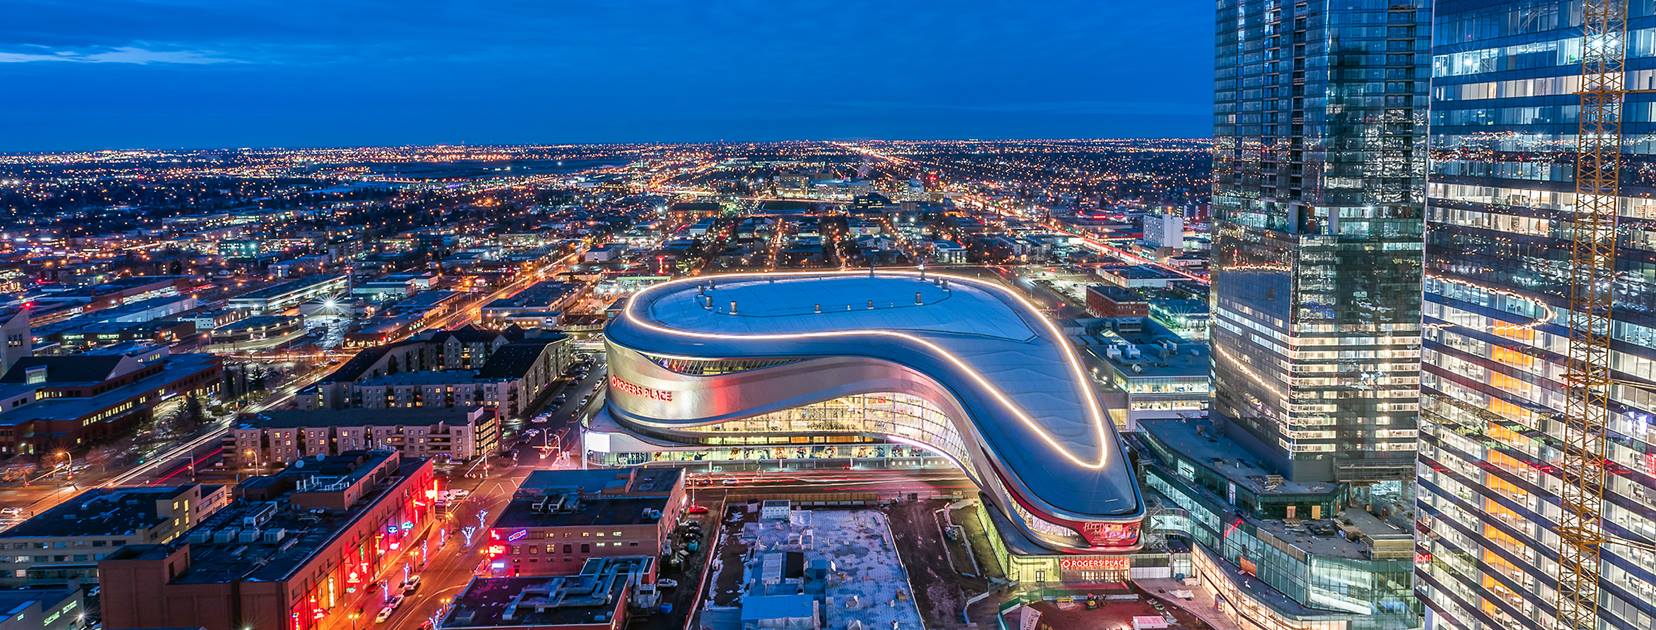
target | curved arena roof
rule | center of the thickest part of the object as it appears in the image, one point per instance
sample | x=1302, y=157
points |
x=1010, y=368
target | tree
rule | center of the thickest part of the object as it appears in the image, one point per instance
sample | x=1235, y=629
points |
x=194, y=414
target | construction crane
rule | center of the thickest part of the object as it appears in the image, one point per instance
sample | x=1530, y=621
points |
x=1592, y=278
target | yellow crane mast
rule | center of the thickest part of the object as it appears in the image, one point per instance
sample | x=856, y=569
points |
x=1592, y=277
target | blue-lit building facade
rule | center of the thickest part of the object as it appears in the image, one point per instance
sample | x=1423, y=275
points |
x=1319, y=167
x=1500, y=194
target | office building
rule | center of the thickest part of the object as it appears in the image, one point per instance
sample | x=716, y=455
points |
x=1319, y=165
x=64, y=544
x=561, y=518
x=53, y=403
x=1501, y=194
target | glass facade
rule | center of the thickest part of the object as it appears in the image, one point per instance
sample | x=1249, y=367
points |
x=1319, y=164
x=1315, y=585
x=843, y=420
x=1500, y=193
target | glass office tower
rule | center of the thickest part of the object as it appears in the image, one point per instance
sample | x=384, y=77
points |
x=1319, y=173
x=1500, y=197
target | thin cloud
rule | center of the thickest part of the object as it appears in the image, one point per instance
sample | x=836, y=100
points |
x=120, y=54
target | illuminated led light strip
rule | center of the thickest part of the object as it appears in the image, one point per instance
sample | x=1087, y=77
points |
x=1547, y=313
x=1094, y=412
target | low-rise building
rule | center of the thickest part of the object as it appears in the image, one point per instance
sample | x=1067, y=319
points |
x=280, y=437
x=1162, y=378
x=64, y=544
x=44, y=608
x=297, y=550
x=505, y=370
x=256, y=333
x=16, y=338
x=1104, y=300
x=560, y=518
x=538, y=306
x=597, y=598
x=284, y=295
x=1139, y=277
x=1277, y=553
x=53, y=403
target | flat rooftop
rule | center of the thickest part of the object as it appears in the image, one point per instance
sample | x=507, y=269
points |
x=1205, y=445
x=1155, y=361
x=302, y=533
x=634, y=481
x=282, y=289
x=99, y=512
x=178, y=366
x=583, y=512
x=587, y=598
x=539, y=295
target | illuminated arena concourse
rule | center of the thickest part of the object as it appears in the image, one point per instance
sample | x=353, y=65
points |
x=947, y=364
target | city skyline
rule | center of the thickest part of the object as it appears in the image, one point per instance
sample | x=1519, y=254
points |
x=202, y=75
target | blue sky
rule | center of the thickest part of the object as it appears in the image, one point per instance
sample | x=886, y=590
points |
x=82, y=74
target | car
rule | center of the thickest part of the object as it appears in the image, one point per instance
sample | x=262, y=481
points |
x=413, y=580
x=696, y=509
x=532, y=432
x=385, y=614
x=457, y=493
x=586, y=399
x=540, y=419
x=727, y=482
x=559, y=399
x=410, y=589
x=667, y=584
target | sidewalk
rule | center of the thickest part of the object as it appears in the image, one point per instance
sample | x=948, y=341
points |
x=1202, y=606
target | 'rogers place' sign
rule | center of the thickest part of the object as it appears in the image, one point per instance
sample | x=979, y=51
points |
x=640, y=391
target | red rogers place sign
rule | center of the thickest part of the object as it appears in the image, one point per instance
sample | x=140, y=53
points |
x=634, y=389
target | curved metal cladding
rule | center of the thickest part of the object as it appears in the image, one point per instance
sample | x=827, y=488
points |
x=1032, y=433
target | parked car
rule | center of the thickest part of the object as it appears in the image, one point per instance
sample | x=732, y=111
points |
x=385, y=614
x=666, y=584
x=696, y=509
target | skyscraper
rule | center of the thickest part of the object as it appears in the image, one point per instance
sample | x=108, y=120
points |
x=1319, y=165
x=1496, y=313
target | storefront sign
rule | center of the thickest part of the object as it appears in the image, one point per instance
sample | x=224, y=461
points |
x=1095, y=563
x=640, y=391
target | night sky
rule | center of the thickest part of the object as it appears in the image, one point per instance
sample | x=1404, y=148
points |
x=86, y=74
